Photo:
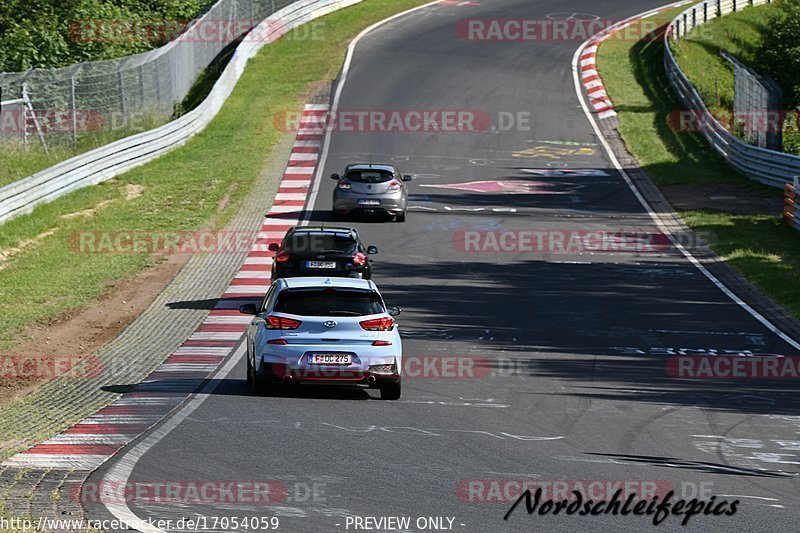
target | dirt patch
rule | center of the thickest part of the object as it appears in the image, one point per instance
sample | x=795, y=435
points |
x=725, y=198
x=68, y=341
x=133, y=190
x=88, y=212
x=8, y=253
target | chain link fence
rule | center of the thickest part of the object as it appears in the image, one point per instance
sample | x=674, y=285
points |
x=92, y=96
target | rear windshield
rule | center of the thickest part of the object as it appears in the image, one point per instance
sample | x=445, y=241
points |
x=369, y=176
x=328, y=302
x=319, y=243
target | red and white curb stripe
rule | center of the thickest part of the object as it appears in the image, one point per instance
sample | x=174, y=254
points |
x=95, y=439
x=587, y=63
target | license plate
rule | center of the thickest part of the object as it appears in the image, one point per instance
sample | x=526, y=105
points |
x=320, y=264
x=364, y=201
x=331, y=359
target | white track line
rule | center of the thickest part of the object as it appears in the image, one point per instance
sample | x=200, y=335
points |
x=323, y=156
x=121, y=470
x=692, y=259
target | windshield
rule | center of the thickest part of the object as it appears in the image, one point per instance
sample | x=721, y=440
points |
x=319, y=243
x=369, y=176
x=329, y=302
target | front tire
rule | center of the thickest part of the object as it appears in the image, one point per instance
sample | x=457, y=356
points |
x=391, y=391
x=401, y=218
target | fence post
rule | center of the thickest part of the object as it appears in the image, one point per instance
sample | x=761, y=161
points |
x=734, y=6
x=719, y=8
x=694, y=17
x=141, y=85
x=72, y=111
x=705, y=12
x=23, y=91
x=73, y=105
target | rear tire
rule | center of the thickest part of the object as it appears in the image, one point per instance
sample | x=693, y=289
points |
x=391, y=391
x=258, y=385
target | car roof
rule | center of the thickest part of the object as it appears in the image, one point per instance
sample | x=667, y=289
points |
x=323, y=282
x=368, y=166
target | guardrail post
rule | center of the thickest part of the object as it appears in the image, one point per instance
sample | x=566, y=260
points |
x=694, y=17
x=719, y=8
x=705, y=12
x=734, y=6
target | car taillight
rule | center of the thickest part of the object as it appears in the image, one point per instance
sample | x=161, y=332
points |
x=394, y=185
x=381, y=343
x=277, y=341
x=378, y=324
x=344, y=185
x=282, y=256
x=280, y=322
x=359, y=259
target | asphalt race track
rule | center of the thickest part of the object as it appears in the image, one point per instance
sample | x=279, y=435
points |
x=568, y=348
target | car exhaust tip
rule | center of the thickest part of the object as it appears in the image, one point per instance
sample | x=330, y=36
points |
x=371, y=380
x=288, y=379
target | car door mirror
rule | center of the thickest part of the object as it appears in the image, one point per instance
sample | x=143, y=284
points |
x=248, y=309
x=393, y=310
x=407, y=178
x=372, y=250
x=273, y=247
x=336, y=177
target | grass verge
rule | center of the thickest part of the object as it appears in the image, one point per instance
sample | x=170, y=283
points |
x=760, y=247
x=178, y=192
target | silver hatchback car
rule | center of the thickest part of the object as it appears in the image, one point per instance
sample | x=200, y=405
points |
x=371, y=188
x=324, y=330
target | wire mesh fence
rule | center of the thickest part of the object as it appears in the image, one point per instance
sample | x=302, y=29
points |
x=92, y=96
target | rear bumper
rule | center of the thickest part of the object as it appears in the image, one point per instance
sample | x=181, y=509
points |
x=283, y=373
x=360, y=273
x=346, y=203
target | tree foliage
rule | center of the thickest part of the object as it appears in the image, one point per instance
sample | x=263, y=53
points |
x=55, y=33
x=779, y=54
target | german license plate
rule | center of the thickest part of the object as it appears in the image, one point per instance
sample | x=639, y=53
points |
x=365, y=201
x=320, y=264
x=331, y=359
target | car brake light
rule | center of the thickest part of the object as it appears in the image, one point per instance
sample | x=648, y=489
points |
x=381, y=343
x=359, y=259
x=281, y=322
x=344, y=185
x=378, y=324
x=394, y=185
x=282, y=342
x=282, y=256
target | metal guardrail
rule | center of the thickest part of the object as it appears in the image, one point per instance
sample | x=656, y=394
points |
x=791, y=209
x=766, y=166
x=118, y=157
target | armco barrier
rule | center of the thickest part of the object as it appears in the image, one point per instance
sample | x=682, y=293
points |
x=767, y=166
x=118, y=157
x=791, y=209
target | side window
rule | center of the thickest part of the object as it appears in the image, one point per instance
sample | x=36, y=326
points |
x=269, y=299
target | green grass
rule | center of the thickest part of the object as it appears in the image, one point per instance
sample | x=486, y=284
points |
x=182, y=190
x=762, y=248
x=699, y=57
x=18, y=161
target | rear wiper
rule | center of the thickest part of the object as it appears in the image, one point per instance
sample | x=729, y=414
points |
x=343, y=313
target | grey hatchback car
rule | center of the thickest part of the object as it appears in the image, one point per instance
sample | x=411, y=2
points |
x=370, y=189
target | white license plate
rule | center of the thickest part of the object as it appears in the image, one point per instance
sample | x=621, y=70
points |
x=331, y=359
x=320, y=264
x=363, y=201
